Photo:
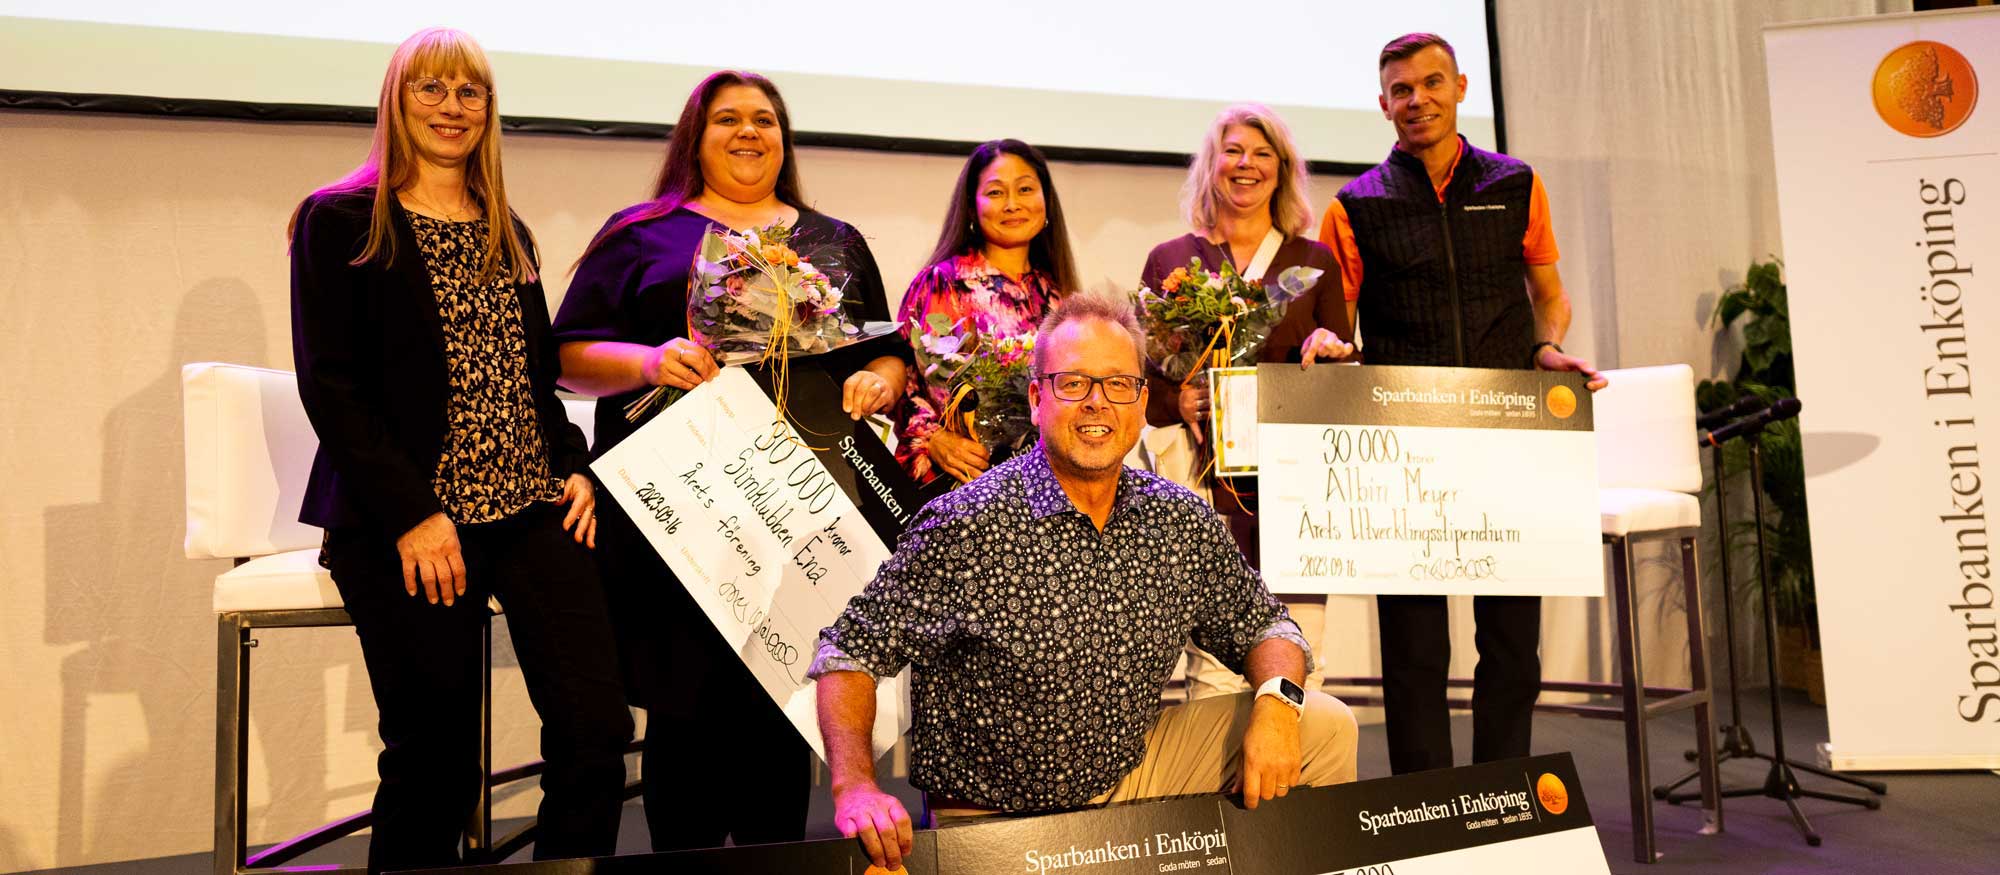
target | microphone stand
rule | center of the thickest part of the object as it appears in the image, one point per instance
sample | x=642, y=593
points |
x=1780, y=782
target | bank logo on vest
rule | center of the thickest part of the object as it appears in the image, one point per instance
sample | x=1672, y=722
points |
x=1925, y=89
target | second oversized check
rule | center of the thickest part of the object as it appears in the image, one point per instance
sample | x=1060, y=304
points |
x=1409, y=480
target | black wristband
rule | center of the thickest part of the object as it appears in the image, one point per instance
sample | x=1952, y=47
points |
x=1535, y=352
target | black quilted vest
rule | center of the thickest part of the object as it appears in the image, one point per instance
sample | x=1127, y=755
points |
x=1443, y=284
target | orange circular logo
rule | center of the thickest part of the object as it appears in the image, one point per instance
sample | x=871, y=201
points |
x=1562, y=402
x=1553, y=795
x=1925, y=89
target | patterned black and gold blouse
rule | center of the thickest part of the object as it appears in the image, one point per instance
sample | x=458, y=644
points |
x=493, y=463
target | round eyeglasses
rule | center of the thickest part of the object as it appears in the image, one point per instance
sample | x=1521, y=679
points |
x=1072, y=386
x=432, y=92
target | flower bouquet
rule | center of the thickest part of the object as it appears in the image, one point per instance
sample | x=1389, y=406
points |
x=753, y=297
x=985, y=378
x=1201, y=319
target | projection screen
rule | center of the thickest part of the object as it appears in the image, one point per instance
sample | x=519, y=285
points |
x=1083, y=78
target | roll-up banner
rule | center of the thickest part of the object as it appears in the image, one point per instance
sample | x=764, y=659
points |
x=1888, y=172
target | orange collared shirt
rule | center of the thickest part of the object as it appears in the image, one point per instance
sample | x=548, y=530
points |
x=1538, y=245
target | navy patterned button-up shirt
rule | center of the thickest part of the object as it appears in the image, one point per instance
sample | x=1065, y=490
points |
x=1040, y=645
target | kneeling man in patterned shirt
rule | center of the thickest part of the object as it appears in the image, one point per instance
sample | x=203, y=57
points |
x=1042, y=607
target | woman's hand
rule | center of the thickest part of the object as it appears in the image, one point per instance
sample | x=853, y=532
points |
x=430, y=554
x=1194, y=410
x=955, y=454
x=866, y=393
x=680, y=363
x=582, y=500
x=1323, y=345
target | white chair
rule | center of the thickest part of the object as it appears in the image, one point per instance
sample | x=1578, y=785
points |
x=1649, y=473
x=249, y=449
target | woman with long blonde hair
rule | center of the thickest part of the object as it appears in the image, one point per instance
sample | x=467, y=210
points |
x=1245, y=202
x=447, y=470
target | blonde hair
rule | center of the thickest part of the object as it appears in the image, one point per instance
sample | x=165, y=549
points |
x=1291, y=208
x=392, y=164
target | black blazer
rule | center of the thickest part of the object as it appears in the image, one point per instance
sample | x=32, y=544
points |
x=368, y=344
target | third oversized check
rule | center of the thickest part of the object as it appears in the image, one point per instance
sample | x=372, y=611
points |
x=1427, y=481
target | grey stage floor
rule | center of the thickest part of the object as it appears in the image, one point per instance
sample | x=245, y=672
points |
x=1929, y=822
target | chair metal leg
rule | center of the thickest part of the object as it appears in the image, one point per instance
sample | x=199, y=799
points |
x=231, y=856
x=1705, y=756
x=232, y=708
x=479, y=831
x=1631, y=678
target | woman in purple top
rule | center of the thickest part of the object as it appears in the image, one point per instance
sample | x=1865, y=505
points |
x=623, y=329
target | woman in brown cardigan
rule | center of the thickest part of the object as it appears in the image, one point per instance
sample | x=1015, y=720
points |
x=1245, y=200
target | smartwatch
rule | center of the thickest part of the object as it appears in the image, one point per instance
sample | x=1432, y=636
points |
x=1535, y=352
x=1282, y=689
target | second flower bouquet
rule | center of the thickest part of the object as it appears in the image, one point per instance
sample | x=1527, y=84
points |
x=1201, y=318
x=986, y=379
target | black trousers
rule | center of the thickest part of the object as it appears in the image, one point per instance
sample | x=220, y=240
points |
x=424, y=665
x=721, y=760
x=1416, y=656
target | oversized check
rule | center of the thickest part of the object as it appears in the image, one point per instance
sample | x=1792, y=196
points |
x=1409, y=480
x=771, y=528
x=1512, y=817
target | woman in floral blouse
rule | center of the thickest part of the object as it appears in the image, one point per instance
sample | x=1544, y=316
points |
x=1001, y=260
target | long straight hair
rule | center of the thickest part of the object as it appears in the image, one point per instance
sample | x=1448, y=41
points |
x=1049, y=252
x=1291, y=207
x=680, y=178
x=392, y=155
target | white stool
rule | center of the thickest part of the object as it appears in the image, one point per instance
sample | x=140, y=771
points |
x=1648, y=472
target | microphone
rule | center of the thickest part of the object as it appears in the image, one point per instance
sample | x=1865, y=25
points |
x=1782, y=409
x=1743, y=406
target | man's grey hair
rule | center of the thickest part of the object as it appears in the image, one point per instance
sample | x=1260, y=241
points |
x=1116, y=308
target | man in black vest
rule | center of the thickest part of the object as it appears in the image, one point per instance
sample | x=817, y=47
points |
x=1447, y=258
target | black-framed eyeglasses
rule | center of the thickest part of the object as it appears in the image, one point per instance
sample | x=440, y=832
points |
x=432, y=91
x=1072, y=386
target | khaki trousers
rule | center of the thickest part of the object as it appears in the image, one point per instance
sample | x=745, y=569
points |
x=1197, y=747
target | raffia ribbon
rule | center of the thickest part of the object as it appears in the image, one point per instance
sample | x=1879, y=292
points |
x=955, y=414
x=1216, y=354
x=779, y=347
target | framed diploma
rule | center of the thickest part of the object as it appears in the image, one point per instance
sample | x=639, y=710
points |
x=1232, y=412
x=1456, y=481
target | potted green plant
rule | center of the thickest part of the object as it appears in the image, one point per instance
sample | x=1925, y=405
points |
x=1765, y=370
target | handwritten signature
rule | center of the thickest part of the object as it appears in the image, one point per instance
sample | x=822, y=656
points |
x=759, y=622
x=1449, y=568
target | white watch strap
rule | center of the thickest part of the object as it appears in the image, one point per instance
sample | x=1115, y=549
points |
x=1275, y=689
